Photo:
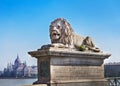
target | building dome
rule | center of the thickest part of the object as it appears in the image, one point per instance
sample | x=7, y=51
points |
x=17, y=61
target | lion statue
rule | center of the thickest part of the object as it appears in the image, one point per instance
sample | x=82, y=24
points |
x=62, y=35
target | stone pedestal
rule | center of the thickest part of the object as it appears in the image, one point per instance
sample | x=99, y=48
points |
x=67, y=67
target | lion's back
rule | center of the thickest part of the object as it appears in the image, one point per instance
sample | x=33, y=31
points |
x=77, y=39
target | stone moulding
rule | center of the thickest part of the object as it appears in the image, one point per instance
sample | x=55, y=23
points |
x=61, y=52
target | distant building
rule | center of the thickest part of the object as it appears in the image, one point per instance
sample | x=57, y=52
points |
x=112, y=69
x=30, y=71
x=0, y=73
x=19, y=70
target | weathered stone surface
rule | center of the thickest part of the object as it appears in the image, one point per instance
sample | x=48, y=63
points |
x=99, y=82
x=76, y=72
x=66, y=67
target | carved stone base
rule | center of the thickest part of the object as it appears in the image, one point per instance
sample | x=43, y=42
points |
x=65, y=67
x=96, y=82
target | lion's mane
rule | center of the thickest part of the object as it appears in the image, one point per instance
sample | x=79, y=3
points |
x=65, y=31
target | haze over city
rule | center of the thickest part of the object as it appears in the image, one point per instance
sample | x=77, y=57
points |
x=24, y=25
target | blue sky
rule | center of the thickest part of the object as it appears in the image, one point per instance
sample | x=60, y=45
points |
x=24, y=25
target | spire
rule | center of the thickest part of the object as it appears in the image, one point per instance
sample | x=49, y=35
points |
x=25, y=63
x=8, y=65
x=17, y=56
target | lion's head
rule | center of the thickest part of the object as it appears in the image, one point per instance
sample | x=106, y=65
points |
x=60, y=31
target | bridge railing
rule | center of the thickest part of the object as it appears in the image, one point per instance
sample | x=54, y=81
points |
x=114, y=81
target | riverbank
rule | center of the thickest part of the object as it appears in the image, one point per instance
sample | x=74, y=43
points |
x=18, y=77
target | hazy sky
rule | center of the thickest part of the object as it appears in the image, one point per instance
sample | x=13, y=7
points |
x=24, y=25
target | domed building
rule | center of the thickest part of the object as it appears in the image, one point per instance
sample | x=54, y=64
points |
x=17, y=62
x=18, y=67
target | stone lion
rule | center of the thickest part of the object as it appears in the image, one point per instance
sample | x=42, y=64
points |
x=62, y=35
